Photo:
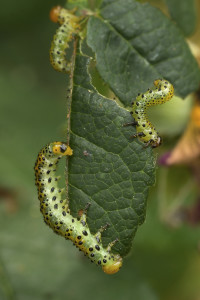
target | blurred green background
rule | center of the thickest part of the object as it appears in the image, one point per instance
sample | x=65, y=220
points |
x=34, y=262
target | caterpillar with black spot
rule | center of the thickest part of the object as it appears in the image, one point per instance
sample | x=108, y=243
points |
x=161, y=92
x=70, y=26
x=57, y=215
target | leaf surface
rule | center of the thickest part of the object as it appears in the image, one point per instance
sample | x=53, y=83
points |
x=108, y=169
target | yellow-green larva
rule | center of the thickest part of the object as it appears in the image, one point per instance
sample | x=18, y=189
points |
x=69, y=26
x=161, y=92
x=57, y=215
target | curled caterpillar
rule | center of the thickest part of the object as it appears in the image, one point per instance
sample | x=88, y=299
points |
x=64, y=35
x=57, y=215
x=162, y=92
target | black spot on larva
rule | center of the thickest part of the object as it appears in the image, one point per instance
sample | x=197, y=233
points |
x=52, y=189
x=72, y=220
x=99, y=262
x=64, y=213
x=63, y=148
x=54, y=198
x=83, y=223
x=97, y=247
x=56, y=206
x=80, y=243
x=79, y=237
x=50, y=165
x=92, y=254
x=105, y=261
x=90, y=249
x=49, y=180
x=48, y=171
x=85, y=232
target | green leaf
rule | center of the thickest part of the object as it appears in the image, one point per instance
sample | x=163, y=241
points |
x=183, y=12
x=136, y=44
x=108, y=169
x=80, y=4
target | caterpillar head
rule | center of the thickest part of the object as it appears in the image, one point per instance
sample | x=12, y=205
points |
x=54, y=13
x=157, y=82
x=61, y=148
x=157, y=142
x=114, y=265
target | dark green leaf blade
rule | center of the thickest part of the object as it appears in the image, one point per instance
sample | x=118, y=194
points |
x=137, y=44
x=108, y=169
x=183, y=12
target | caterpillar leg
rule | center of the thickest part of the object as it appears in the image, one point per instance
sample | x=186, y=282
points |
x=100, y=231
x=139, y=134
x=134, y=123
x=110, y=245
x=84, y=214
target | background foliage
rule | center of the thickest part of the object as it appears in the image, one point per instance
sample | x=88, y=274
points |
x=35, y=263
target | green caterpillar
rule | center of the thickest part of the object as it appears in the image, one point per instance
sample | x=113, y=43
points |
x=64, y=35
x=57, y=215
x=162, y=92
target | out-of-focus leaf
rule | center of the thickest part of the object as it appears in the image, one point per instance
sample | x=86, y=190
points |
x=187, y=150
x=183, y=12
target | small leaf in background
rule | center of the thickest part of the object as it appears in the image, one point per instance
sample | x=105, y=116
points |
x=187, y=149
x=183, y=12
